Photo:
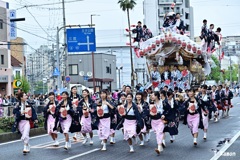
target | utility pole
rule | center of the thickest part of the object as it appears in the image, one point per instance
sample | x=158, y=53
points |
x=230, y=70
x=65, y=42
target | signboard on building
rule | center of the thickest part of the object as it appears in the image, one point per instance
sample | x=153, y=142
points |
x=81, y=40
x=17, y=83
x=13, y=29
x=4, y=79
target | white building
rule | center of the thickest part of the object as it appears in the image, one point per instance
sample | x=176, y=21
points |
x=6, y=77
x=114, y=42
x=154, y=11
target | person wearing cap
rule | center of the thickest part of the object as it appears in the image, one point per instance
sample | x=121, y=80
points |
x=155, y=76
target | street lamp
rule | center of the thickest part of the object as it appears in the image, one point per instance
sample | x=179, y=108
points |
x=94, y=87
x=120, y=68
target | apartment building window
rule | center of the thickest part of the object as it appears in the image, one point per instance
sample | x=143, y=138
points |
x=178, y=10
x=73, y=69
x=187, y=27
x=186, y=16
x=107, y=69
x=1, y=24
x=2, y=59
x=17, y=74
x=166, y=9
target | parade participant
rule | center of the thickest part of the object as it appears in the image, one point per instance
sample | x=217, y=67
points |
x=180, y=24
x=215, y=100
x=75, y=98
x=49, y=115
x=228, y=95
x=139, y=31
x=155, y=76
x=133, y=122
x=186, y=78
x=64, y=113
x=143, y=109
x=113, y=119
x=193, y=115
x=104, y=111
x=165, y=88
x=86, y=108
x=172, y=116
x=206, y=103
x=123, y=90
x=210, y=37
x=176, y=76
x=203, y=36
x=166, y=77
x=157, y=117
x=25, y=115
x=147, y=34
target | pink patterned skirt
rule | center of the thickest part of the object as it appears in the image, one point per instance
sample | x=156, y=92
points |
x=24, y=128
x=158, y=127
x=104, y=128
x=129, y=127
x=193, y=122
x=86, y=124
x=51, y=124
x=66, y=124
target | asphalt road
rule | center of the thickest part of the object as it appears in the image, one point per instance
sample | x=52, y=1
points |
x=182, y=148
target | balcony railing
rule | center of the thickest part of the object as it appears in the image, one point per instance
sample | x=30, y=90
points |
x=169, y=1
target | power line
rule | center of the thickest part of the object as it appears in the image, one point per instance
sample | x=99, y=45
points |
x=38, y=23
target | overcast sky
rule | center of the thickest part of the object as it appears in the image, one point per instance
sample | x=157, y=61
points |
x=222, y=13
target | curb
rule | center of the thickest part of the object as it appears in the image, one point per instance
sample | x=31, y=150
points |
x=9, y=136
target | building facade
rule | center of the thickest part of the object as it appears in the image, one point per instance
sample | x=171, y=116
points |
x=40, y=65
x=155, y=10
x=6, y=77
x=80, y=69
x=231, y=45
x=18, y=52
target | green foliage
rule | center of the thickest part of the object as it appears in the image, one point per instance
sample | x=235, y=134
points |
x=26, y=85
x=6, y=123
x=234, y=73
x=127, y=4
x=40, y=87
x=215, y=72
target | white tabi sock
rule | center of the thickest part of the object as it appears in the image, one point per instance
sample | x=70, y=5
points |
x=205, y=134
x=194, y=140
x=160, y=148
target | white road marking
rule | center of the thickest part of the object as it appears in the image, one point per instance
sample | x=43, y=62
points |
x=225, y=147
x=21, y=140
x=82, y=154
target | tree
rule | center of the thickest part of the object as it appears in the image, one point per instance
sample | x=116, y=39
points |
x=127, y=5
x=25, y=85
x=215, y=72
x=234, y=71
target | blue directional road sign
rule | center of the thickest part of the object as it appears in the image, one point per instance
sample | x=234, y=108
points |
x=81, y=40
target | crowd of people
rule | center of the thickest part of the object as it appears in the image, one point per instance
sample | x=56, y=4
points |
x=135, y=114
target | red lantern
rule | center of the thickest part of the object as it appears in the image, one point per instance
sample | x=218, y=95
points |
x=179, y=42
x=145, y=50
x=194, y=49
x=149, y=48
x=158, y=42
x=141, y=53
x=174, y=40
x=184, y=44
x=153, y=46
x=162, y=40
x=199, y=51
x=189, y=47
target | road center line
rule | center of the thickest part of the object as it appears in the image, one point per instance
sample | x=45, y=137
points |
x=82, y=154
x=225, y=147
